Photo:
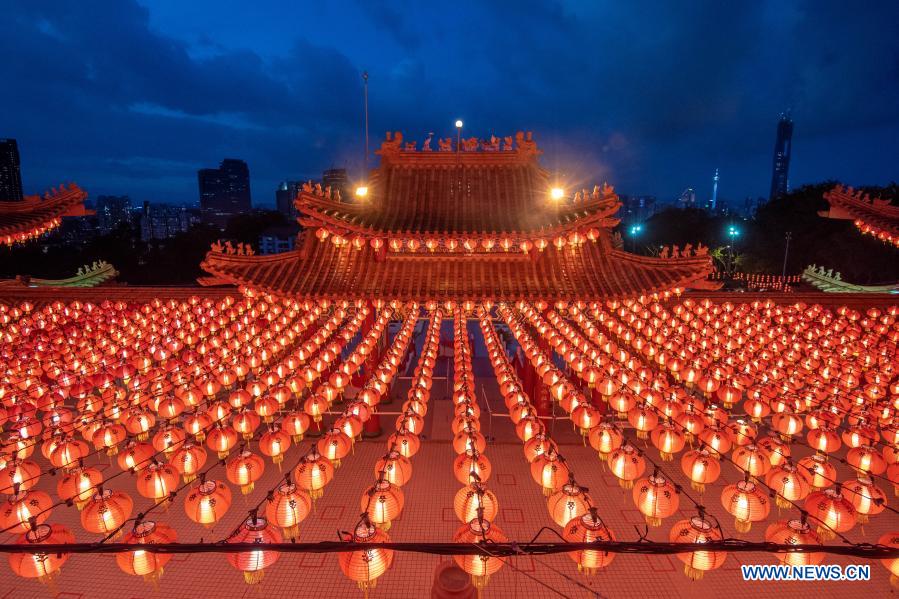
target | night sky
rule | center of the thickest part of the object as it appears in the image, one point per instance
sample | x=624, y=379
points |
x=132, y=97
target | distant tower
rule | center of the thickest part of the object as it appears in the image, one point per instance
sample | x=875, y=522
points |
x=783, y=146
x=714, y=203
x=10, y=175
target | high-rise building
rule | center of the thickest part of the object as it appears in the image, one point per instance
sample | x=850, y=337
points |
x=284, y=197
x=224, y=191
x=161, y=221
x=783, y=146
x=636, y=209
x=10, y=171
x=112, y=213
x=337, y=179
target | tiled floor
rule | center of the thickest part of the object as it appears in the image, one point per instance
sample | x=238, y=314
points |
x=428, y=517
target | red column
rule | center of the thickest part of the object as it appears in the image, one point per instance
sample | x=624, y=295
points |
x=372, y=428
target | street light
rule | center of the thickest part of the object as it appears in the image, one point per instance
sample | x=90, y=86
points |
x=458, y=133
x=361, y=191
x=634, y=230
x=732, y=232
x=557, y=193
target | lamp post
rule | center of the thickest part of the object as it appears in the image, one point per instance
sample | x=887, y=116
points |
x=458, y=134
x=732, y=234
x=635, y=229
x=788, y=236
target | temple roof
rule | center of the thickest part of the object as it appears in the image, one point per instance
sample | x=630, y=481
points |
x=591, y=271
x=35, y=215
x=872, y=216
x=92, y=275
x=483, y=188
x=831, y=282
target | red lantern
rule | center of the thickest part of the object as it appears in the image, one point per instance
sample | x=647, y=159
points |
x=479, y=567
x=21, y=507
x=244, y=470
x=698, y=529
x=746, y=502
x=569, y=502
x=832, y=511
x=207, y=502
x=656, y=498
x=257, y=530
x=589, y=528
x=365, y=566
x=42, y=566
x=148, y=564
x=288, y=507
x=470, y=498
x=794, y=532
x=106, y=512
x=383, y=503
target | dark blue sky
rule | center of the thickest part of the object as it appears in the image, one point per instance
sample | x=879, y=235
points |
x=132, y=97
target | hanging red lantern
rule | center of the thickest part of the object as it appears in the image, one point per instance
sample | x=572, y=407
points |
x=188, y=460
x=794, y=532
x=365, y=566
x=470, y=498
x=244, y=470
x=79, y=485
x=656, y=498
x=746, y=502
x=569, y=502
x=832, y=511
x=549, y=471
x=698, y=529
x=148, y=564
x=479, y=567
x=42, y=566
x=589, y=528
x=105, y=513
x=312, y=473
x=255, y=529
x=788, y=485
x=156, y=481
x=701, y=467
x=19, y=508
x=627, y=465
x=207, y=502
x=383, y=503
x=867, y=499
x=288, y=506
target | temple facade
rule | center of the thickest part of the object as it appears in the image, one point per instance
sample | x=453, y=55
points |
x=35, y=215
x=476, y=221
x=872, y=216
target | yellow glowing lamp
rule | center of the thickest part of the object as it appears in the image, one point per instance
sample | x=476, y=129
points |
x=361, y=191
x=557, y=193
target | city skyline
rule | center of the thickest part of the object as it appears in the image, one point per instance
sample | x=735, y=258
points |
x=289, y=102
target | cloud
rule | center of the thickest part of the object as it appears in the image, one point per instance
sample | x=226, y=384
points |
x=652, y=95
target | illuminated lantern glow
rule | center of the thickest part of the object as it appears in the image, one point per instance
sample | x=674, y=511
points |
x=295, y=424
x=589, y=528
x=668, y=439
x=788, y=484
x=817, y=471
x=288, y=507
x=274, y=443
x=794, y=532
x=701, y=467
x=471, y=467
x=605, y=438
x=867, y=499
x=156, y=481
x=42, y=566
x=335, y=445
x=147, y=564
x=549, y=471
x=188, y=460
x=406, y=443
x=752, y=459
x=832, y=511
x=569, y=502
x=866, y=459
x=79, y=485
x=698, y=529
x=383, y=503
x=221, y=439
x=106, y=512
x=479, y=567
x=656, y=498
x=365, y=566
x=255, y=529
x=627, y=465
x=746, y=502
x=312, y=474
x=470, y=498
x=207, y=502
x=20, y=507
x=890, y=539
x=244, y=470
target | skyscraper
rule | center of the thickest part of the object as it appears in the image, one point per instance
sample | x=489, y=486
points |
x=284, y=197
x=782, y=150
x=224, y=191
x=10, y=173
x=112, y=213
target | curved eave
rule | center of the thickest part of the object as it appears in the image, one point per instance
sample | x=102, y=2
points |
x=34, y=215
x=876, y=214
x=833, y=283
x=349, y=274
x=319, y=212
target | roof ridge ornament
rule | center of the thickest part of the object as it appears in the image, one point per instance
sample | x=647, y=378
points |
x=521, y=143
